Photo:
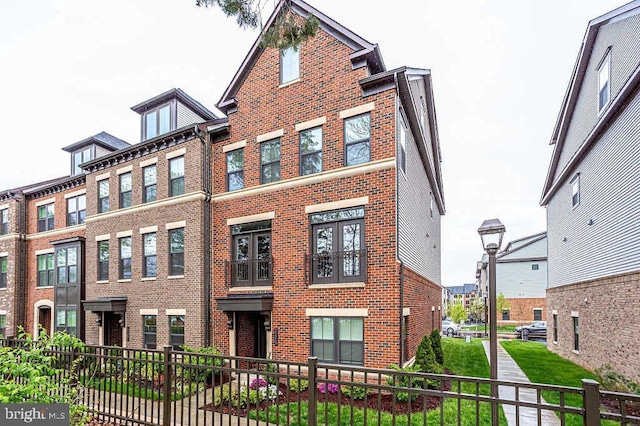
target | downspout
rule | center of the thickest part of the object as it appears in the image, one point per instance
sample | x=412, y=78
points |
x=401, y=311
x=21, y=262
x=205, y=233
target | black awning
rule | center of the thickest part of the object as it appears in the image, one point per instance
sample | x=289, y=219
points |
x=258, y=302
x=106, y=304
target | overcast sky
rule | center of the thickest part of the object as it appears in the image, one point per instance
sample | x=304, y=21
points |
x=72, y=68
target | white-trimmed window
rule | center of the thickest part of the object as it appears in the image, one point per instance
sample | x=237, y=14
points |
x=604, y=82
x=289, y=64
x=575, y=191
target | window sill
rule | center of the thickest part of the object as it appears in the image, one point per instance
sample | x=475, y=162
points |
x=126, y=280
x=251, y=288
x=555, y=342
x=289, y=83
x=2, y=288
x=337, y=285
x=175, y=277
x=43, y=287
x=148, y=278
x=576, y=352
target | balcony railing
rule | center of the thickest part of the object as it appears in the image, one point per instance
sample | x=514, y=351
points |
x=337, y=267
x=250, y=272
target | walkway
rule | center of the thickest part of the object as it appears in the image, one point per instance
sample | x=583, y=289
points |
x=508, y=370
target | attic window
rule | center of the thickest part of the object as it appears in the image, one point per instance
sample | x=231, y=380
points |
x=604, y=76
x=157, y=122
x=289, y=64
x=78, y=158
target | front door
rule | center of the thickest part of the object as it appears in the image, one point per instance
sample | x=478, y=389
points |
x=44, y=319
x=112, y=329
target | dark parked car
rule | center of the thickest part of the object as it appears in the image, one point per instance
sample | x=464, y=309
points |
x=536, y=329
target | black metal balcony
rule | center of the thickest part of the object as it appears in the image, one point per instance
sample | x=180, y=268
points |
x=251, y=272
x=337, y=267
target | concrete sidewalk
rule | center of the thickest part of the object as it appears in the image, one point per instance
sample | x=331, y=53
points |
x=508, y=370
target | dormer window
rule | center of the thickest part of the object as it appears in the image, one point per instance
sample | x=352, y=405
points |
x=604, y=89
x=289, y=64
x=157, y=122
x=78, y=158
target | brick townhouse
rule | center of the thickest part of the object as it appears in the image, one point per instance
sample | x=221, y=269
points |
x=327, y=203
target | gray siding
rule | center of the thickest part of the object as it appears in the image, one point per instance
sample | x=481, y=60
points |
x=418, y=234
x=186, y=116
x=100, y=151
x=624, y=38
x=610, y=195
x=537, y=249
x=417, y=87
x=518, y=280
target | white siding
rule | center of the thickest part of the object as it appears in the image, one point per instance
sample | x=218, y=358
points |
x=624, y=38
x=518, y=280
x=537, y=249
x=186, y=116
x=610, y=196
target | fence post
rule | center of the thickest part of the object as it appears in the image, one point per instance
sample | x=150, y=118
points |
x=166, y=388
x=591, y=402
x=313, y=399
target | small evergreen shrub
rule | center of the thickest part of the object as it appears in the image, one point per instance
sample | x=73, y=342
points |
x=426, y=359
x=354, y=392
x=298, y=385
x=405, y=381
x=436, y=345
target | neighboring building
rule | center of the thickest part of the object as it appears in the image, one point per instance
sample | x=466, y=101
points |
x=592, y=197
x=148, y=273
x=465, y=295
x=327, y=203
x=521, y=276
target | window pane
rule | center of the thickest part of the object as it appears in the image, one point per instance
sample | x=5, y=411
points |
x=236, y=181
x=337, y=215
x=42, y=263
x=72, y=256
x=150, y=175
x=270, y=173
x=165, y=119
x=151, y=266
x=71, y=205
x=176, y=167
x=311, y=163
x=61, y=317
x=125, y=247
x=270, y=151
x=103, y=188
x=125, y=182
x=323, y=350
x=289, y=64
x=235, y=160
x=176, y=238
x=71, y=318
x=311, y=140
x=103, y=250
x=150, y=193
x=149, y=244
x=151, y=124
x=73, y=271
x=352, y=329
x=177, y=186
x=358, y=153
x=357, y=128
x=242, y=248
x=324, y=240
x=61, y=258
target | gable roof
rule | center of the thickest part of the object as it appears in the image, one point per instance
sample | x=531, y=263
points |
x=103, y=139
x=571, y=97
x=516, y=245
x=179, y=94
x=365, y=53
x=462, y=289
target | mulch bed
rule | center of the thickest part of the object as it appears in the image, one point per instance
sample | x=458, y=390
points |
x=613, y=405
x=383, y=402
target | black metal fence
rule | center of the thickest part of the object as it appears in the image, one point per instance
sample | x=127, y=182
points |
x=168, y=387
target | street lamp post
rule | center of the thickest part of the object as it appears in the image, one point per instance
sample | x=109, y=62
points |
x=491, y=232
x=433, y=315
x=486, y=315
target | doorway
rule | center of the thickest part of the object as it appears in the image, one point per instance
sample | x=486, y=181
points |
x=112, y=329
x=44, y=319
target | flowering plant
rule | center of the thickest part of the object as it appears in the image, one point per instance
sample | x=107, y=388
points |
x=328, y=387
x=258, y=382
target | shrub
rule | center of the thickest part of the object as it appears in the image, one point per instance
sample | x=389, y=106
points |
x=354, y=392
x=436, y=345
x=612, y=381
x=328, y=388
x=258, y=382
x=270, y=367
x=298, y=385
x=405, y=381
x=426, y=359
x=198, y=358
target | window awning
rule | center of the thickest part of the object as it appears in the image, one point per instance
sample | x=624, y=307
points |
x=106, y=304
x=246, y=302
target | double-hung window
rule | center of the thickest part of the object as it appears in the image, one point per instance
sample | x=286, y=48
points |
x=67, y=265
x=311, y=151
x=45, y=217
x=76, y=210
x=176, y=332
x=575, y=191
x=80, y=157
x=270, y=161
x=103, y=196
x=103, y=260
x=46, y=270
x=4, y=221
x=289, y=64
x=157, y=122
x=3, y=271
x=150, y=265
x=125, y=190
x=338, y=340
x=555, y=327
x=176, y=176
x=235, y=170
x=357, y=139
x=604, y=86
x=537, y=314
x=251, y=257
x=338, y=251
x=576, y=334
x=125, y=258
x=3, y=326
x=149, y=330
x=176, y=251
x=149, y=178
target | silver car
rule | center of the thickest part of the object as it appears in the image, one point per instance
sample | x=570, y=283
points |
x=450, y=327
x=536, y=329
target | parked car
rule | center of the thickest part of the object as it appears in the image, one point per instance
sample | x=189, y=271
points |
x=536, y=329
x=450, y=327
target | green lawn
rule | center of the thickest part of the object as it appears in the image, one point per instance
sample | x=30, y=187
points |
x=543, y=366
x=501, y=328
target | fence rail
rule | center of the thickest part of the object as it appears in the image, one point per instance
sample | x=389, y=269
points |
x=168, y=387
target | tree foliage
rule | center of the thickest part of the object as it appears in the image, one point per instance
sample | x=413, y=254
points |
x=502, y=304
x=288, y=29
x=476, y=309
x=458, y=313
x=436, y=345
